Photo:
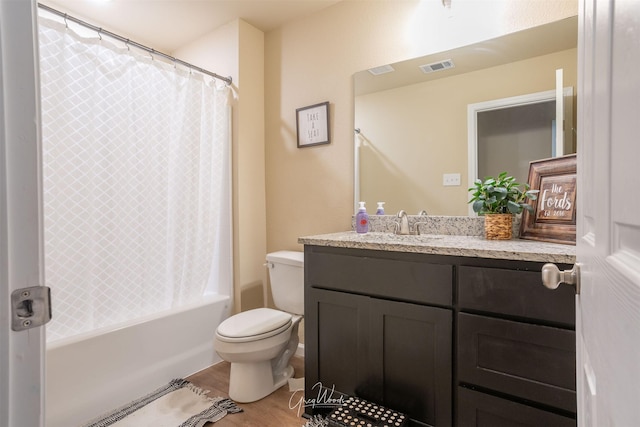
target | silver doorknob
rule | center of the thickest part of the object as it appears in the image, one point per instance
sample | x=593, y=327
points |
x=552, y=277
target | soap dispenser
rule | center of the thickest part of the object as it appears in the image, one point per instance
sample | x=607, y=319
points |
x=380, y=210
x=362, y=219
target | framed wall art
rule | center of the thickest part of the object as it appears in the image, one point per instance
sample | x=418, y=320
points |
x=554, y=212
x=312, y=125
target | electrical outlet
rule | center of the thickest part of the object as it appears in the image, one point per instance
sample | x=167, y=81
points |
x=450, y=179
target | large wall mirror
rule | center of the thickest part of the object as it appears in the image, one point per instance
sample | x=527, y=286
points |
x=411, y=126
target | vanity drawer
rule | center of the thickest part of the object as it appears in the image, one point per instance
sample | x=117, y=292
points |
x=515, y=293
x=398, y=279
x=476, y=409
x=532, y=362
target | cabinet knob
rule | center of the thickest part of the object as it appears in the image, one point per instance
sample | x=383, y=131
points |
x=552, y=277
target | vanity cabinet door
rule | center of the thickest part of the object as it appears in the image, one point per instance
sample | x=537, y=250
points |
x=381, y=275
x=477, y=409
x=531, y=362
x=515, y=294
x=410, y=357
x=392, y=353
x=336, y=340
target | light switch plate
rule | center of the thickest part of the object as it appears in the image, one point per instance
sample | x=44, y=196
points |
x=450, y=179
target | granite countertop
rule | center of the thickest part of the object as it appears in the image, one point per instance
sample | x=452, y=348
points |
x=444, y=244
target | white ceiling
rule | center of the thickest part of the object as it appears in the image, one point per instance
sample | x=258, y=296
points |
x=166, y=25
x=536, y=41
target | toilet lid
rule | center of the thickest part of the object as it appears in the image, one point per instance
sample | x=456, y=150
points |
x=252, y=323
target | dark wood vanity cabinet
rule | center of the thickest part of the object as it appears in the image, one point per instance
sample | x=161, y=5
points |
x=370, y=331
x=447, y=340
x=516, y=349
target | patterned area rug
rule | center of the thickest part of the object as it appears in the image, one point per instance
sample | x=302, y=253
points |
x=178, y=404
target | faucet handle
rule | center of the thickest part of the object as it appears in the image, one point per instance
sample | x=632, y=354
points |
x=423, y=213
x=416, y=227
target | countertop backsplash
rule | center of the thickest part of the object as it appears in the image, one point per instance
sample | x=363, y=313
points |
x=448, y=225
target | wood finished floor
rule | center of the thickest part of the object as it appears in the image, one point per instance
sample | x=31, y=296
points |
x=272, y=411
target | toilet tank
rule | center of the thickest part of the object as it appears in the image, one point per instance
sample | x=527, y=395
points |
x=286, y=272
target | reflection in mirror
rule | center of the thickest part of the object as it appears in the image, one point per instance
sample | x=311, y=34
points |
x=506, y=134
x=507, y=138
x=413, y=126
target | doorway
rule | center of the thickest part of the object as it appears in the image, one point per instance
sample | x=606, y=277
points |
x=509, y=138
x=506, y=134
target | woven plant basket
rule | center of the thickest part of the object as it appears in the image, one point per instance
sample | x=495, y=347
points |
x=498, y=226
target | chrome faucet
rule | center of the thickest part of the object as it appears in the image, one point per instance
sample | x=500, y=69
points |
x=402, y=225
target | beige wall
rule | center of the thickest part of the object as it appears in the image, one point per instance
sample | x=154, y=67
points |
x=310, y=190
x=413, y=135
x=282, y=192
x=237, y=50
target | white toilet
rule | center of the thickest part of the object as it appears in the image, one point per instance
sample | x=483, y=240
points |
x=259, y=343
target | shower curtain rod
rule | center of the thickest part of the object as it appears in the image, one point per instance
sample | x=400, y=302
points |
x=128, y=42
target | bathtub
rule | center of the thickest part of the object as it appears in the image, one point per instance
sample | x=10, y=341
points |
x=91, y=374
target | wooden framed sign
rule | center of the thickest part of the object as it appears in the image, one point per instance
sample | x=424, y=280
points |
x=554, y=213
x=312, y=125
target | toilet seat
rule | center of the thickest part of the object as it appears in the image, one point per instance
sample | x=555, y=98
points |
x=254, y=325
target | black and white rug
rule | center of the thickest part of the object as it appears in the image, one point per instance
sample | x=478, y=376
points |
x=177, y=404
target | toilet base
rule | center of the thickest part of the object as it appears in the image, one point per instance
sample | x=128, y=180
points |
x=249, y=382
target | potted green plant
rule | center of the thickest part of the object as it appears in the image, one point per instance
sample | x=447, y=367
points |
x=498, y=199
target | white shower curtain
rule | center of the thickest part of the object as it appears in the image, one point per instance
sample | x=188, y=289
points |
x=136, y=171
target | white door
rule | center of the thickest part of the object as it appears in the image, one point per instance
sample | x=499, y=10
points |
x=608, y=239
x=21, y=353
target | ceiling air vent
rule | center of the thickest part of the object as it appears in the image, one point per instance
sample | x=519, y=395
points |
x=437, y=66
x=383, y=69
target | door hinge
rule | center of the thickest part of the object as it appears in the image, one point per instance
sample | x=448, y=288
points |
x=30, y=307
